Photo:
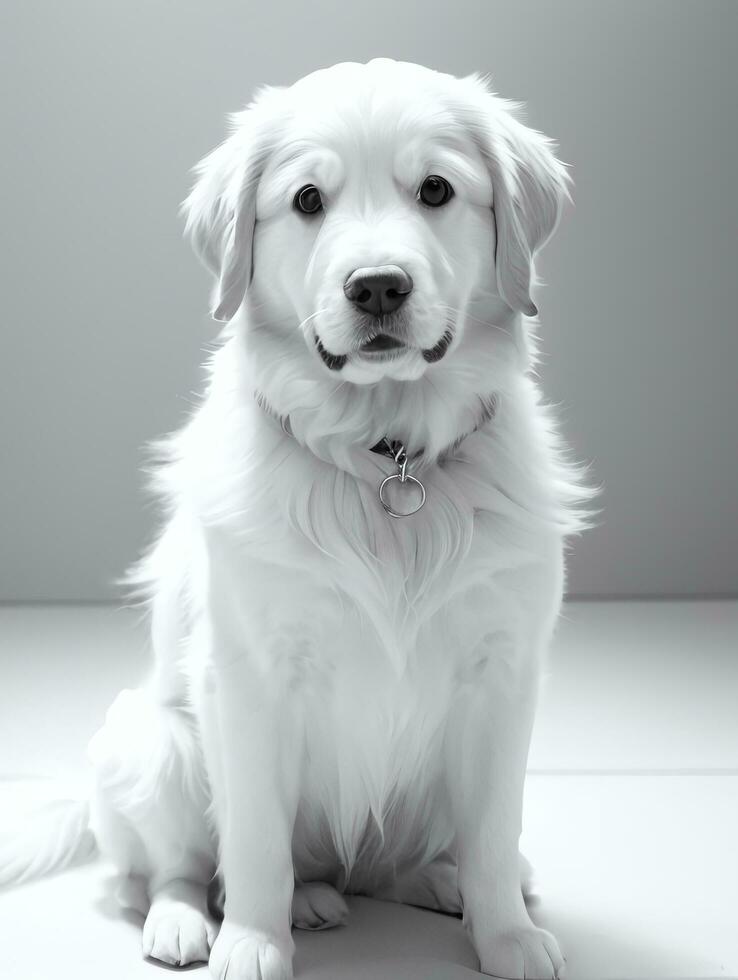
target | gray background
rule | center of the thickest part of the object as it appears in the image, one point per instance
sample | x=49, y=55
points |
x=106, y=106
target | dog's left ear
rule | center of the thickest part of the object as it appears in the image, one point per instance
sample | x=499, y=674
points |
x=529, y=187
x=220, y=210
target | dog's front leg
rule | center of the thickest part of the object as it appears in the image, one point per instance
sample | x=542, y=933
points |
x=253, y=759
x=487, y=748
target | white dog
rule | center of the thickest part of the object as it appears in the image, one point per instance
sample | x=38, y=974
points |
x=363, y=560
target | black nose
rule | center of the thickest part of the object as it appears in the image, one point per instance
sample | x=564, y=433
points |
x=379, y=290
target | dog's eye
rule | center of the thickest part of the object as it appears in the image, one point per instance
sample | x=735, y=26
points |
x=308, y=199
x=435, y=191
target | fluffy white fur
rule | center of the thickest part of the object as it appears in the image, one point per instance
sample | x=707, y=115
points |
x=342, y=702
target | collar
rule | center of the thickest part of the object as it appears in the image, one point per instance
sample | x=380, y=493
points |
x=396, y=450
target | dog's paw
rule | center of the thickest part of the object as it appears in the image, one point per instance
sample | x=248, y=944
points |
x=176, y=933
x=246, y=954
x=317, y=905
x=522, y=953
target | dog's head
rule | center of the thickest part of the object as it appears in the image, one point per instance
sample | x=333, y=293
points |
x=366, y=208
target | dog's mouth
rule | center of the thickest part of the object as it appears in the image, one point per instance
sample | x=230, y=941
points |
x=384, y=345
x=382, y=342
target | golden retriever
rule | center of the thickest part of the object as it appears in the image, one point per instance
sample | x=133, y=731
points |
x=362, y=563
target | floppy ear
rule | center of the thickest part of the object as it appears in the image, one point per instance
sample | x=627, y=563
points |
x=221, y=208
x=529, y=187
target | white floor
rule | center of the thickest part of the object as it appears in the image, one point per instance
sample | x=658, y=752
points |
x=631, y=803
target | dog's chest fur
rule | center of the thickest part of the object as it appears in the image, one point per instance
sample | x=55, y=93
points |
x=374, y=625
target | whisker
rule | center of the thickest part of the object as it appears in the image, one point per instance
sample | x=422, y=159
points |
x=257, y=323
x=442, y=397
x=312, y=316
x=470, y=316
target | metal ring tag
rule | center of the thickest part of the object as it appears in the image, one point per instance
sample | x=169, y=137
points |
x=407, y=479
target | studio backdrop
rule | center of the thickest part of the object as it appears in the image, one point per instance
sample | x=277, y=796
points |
x=107, y=106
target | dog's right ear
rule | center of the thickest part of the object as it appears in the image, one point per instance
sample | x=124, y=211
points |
x=220, y=210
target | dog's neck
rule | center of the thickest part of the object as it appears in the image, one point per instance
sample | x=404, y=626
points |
x=389, y=446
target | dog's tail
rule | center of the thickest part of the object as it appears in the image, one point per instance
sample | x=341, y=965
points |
x=40, y=834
